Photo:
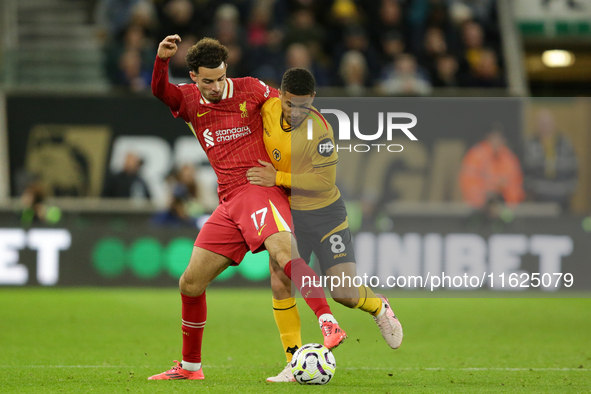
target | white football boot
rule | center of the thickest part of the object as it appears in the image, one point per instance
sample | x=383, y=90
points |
x=283, y=376
x=389, y=325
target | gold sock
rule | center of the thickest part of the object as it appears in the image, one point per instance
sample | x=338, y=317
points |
x=288, y=322
x=368, y=301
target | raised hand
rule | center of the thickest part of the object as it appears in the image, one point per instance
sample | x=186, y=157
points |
x=167, y=48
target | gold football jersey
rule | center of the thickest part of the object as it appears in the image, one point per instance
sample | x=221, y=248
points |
x=306, y=166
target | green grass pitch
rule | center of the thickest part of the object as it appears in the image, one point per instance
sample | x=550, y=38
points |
x=111, y=340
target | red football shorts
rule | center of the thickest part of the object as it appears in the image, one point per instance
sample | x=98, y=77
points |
x=245, y=220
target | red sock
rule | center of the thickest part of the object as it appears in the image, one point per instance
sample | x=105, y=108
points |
x=194, y=315
x=314, y=296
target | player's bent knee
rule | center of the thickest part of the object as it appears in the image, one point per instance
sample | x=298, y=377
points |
x=281, y=247
x=281, y=255
x=190, y=287
x=283, y=258
x=348, y=297
x=348, y=302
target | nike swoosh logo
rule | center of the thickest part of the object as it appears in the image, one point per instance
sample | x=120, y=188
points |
x=261, y=230
x=200, y=115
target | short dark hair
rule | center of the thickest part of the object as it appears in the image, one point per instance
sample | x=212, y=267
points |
x=298, y=81
x=208, y=53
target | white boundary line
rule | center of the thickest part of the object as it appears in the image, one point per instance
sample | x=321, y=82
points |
x=348, y=368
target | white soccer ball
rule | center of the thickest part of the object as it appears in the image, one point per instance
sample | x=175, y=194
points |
x=313, y=364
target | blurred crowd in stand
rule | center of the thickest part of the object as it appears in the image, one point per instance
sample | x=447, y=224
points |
x=547, y=172
x=186, y=201
x=368, y=47
x=494, y=177
x=127, y=183
x=185, y=204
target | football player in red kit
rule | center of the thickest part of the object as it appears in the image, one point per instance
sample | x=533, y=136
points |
x=224, y=115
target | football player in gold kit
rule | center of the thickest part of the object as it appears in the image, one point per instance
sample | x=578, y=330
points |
x=307, y=166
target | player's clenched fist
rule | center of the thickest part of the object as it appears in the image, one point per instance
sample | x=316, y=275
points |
x=167, y=47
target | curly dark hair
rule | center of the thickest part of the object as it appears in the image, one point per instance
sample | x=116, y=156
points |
x=208, y=53
x=298, y=81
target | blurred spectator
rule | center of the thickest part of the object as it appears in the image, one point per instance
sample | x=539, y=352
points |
x=132, y=73
x=176, y=213
x=491, y=172
x=177, y=67
x=134, y=37
x=127, y=183
x=438, y=15
x=236, y=62
x=353, y=72
x=299, y=56
x=129, y=59
x=268, y=62
x=434, y=46
x=459, y=12
x=304, y=29
x=186, y=176
x=486, y=74
x=403, y=78
x=229, y=32
x=423, y=14
x=446, y=72
x=34, y=208
x=356, y=39
x=343, y=13
x=113, y=16
x=480, y=10
x=473, y=42
x=144, y=15
x=260, y=35
x=177, y=17
x=185, y=203
x=386, y=17
x=260, y=21
x=392, y=46
x=226, y=27
x=550, y=163
x=473, y=47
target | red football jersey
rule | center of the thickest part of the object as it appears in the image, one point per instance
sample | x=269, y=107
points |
x=230, y=131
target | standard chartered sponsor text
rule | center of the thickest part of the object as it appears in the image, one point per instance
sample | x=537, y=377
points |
x=232, y=134
x=502, y=281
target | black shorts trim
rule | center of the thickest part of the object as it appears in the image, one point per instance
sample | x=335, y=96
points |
x=311, y=230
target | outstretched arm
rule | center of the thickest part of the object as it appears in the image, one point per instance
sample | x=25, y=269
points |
x=170, y=94
x=321, y=179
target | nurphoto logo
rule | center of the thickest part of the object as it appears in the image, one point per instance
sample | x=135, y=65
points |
x=344, y=129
